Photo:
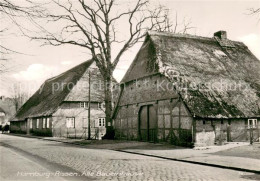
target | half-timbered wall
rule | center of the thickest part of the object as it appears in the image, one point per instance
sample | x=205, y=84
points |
x=217, y=131
x=173, y=122
x=80, y=115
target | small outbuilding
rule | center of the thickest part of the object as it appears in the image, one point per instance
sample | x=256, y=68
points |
x=187, y=90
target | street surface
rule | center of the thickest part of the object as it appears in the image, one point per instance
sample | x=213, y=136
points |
x=34, y=159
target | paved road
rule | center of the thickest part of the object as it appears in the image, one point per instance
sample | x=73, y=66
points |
x=31, y=159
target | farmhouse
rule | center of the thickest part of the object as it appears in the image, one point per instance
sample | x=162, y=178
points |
x=186, y=90
x=61, y=106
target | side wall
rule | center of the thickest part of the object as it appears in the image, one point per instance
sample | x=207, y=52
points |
x=212, y=131
x=41, y=130
x=19, y=127
x=80, y=130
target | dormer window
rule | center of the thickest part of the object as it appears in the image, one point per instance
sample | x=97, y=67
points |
x=84, y=105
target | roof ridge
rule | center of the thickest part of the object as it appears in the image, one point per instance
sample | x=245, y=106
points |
x=181, y=35
x=36, y=106
x=61, y=74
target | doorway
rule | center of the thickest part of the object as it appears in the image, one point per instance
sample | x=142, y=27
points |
x=148, y=123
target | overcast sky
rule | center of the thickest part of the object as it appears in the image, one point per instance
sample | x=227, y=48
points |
x=208, y=16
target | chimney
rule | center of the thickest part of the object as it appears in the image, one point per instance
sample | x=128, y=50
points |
x=221, y=35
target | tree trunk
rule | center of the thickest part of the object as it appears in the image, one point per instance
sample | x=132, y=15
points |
x=108, y=104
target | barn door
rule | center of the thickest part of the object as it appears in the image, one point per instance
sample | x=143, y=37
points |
x=143, y=125
x=148, y=124
x=152, y=123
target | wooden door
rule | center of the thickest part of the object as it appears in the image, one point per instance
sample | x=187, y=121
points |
x=143, y=124
x=148, y=124
x=152, y=124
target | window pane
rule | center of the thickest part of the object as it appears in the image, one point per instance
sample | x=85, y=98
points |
x=43, y=123
x=82, y=104
x=70, y=122
x=30, y=123
x=48, y=123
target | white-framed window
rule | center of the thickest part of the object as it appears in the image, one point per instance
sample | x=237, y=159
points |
x=84, y=105
x=101, y=122
x=70, y=122
x=48, y=123
x=252, y=123
x=30, y=121
x=37, y=123
x=44, y=123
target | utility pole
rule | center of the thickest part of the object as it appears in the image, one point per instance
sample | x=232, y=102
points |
x=89, y=86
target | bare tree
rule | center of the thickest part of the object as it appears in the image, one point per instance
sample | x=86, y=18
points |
x=10, y=12
x=95, y=25
x=18, y=95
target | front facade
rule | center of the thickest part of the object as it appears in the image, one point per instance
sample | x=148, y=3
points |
x=61, y=106
x=187, y=90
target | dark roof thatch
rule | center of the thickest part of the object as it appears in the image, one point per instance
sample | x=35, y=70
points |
x=46, y=101
x=222, y=77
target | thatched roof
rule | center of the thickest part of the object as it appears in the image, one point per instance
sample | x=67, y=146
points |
x=46, y=101
x=222, y=77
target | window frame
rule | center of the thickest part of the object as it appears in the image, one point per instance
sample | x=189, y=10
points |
x=31, y=123
x=37, y=123
x=99, y=122
x=43, y=123
x=47, y=122
x=84, y=105
x=104, y=122
x=73, y=122
x=252, y=123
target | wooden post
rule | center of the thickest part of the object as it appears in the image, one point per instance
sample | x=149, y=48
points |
x=89, y=132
